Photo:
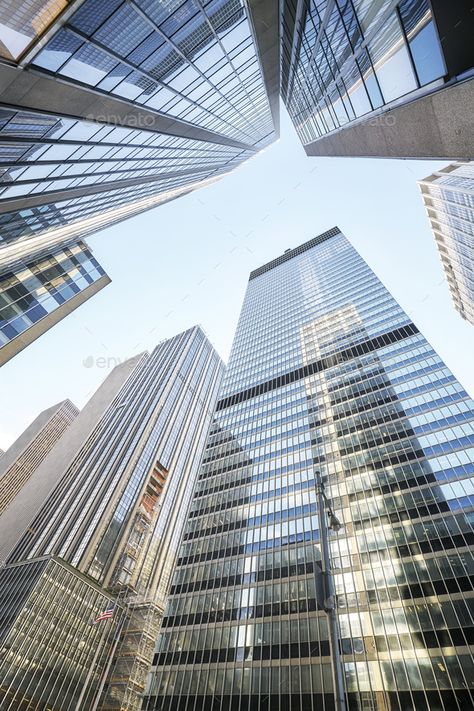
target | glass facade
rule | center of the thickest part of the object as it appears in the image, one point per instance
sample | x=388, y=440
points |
x=189, y=59
x=35, y=291
x=51, y=155
x=326, y=372
x=85, y=520
x=449, y=200
x=343, y=60
x=189, y=73
x=51, y=656
x=119, y=507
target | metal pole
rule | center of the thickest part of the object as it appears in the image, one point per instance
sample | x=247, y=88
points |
x=85, y=686
x=329, y=601
x=109, y=663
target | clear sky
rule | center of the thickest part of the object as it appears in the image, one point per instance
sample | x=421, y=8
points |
x=188, y=262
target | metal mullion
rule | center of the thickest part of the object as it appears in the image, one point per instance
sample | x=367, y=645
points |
x=79, y=144
x=317, y=41
x=312, y=65
x=366, y=39
x=299, y=22
x=69, y=142
x=109, y=650
x=148, y=19
x=201, y=388
x=77, y=656
x=34, y=181
x=79, y=161
x=26, y=645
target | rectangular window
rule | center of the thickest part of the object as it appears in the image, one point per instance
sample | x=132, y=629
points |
x=422, y=39
x=391, y=61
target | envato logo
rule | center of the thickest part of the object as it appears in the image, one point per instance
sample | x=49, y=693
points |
x=102, y=362
x=381, y=120
x=129, y=120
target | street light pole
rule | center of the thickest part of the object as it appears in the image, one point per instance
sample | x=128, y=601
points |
x=329, y=597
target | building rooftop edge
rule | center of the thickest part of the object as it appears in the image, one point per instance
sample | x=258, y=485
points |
x=289, y=254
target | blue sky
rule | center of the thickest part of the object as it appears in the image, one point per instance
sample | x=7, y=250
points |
x=188, y=262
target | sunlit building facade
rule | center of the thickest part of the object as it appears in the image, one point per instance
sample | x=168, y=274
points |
x=38, y=292
x=50, y=649
x=448, y=196
x=372, y=78
x=26, y=454
x=117, y=511
x=326, y=373
x=109, y=108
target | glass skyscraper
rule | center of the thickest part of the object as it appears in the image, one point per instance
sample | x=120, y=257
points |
x=379, y=78
x=327, y=373
x=38, y=292
x=114, y=518
x=448, y=195
x=110, y=107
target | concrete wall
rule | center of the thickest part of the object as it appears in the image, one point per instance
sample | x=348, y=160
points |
x=439, y=126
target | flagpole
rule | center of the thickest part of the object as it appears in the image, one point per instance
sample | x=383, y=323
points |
x=96, y=656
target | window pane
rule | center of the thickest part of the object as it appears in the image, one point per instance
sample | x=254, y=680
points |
x=423, y=40
x=392, y=62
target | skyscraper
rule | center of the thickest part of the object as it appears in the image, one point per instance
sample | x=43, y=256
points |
x=34, y=444
x=22, y=509
x=448, y=195
x=327, y=374
x=385, y=79
x=115, y=517
x=37, y=292
x=109, y=108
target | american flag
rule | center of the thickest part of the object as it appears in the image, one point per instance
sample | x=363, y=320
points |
x=106, y=615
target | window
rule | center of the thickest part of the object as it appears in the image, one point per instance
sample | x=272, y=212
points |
x=422, y=39
x=392, y=62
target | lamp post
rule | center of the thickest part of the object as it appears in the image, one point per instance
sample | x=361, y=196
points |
x=333, y=523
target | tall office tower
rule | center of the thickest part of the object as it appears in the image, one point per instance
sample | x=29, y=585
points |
x=326, y=373
x=448, y=195
x=27, y=452
x=115, y=518
x=111, y=107
x=385, y=79
x=38, y=292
